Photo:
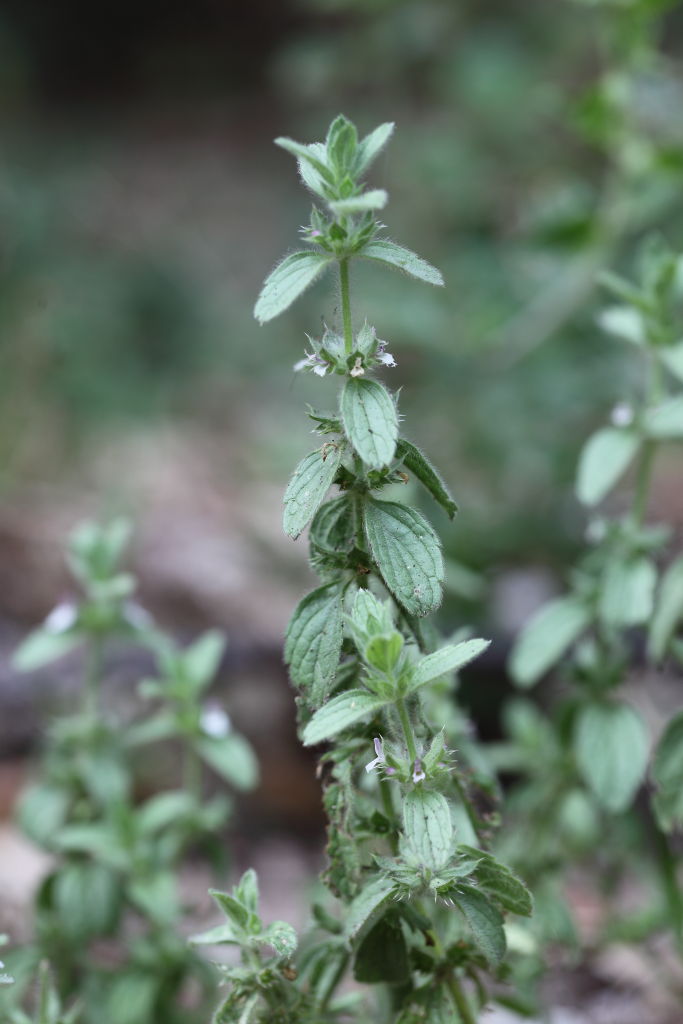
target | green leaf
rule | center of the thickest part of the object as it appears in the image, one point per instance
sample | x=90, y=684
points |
x=311, y=155
x=341, y=144
x=383, y=651
x=447, y=659
x=611, y=749
x=313, y=641
x=403, y=259
x=202, y=659
x=382, y=956
x=156, y=896
x=247, y=891
x=546, y=637
x=42, y=647
x=222, y=934
x=288, y=281
x=340, y=713
x=370, y=420
x=374, y=199
x=42, y=811
x=310, y=483
x=367, y=907
x=232, y=757
x=428, y=827
x=98, y=840
x=234, y=910
x=161, y=726
x=87, y=899
x=332, y=529
x=672, y=357
x=408, y=554
x=131, y=996
x=105, y=776
x=627, y=594
x=603, y=460
x=163, y=810
x=485, y=921
x=667, y=773
x=666, y=421
x=499, y=882
x=625, y=323
x=417, y=463
x=282, y=937
x=668, y=611
x=372, y=145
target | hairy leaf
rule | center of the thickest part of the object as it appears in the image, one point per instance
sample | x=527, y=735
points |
x=408, y=554
x=403, y=259
x=288, y=281
x=382, y=956
x=371, y=146
x=499, y=882
x=340, y=713
x=367, y=907
x=668, y=612
x=310, y=483
x=485, y=921
x=546, y=637
x=370, y=420
x=313, y=641
x=428, y=827
x=603, y=460
x=374, y=199
x=611, y=749
x=447, y=659
x=417, y=463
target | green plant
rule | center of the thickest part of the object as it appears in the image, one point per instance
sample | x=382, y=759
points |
x=584, y=765
x=108, y=917
x=420, y=903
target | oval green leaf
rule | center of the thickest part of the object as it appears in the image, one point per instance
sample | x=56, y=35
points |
x=313, y=641
x=288, y=281
x=370, y=420
x=310, y=483
x=603, y=460
x=408, y=554
x=340, y=713
x=611, y=750
x=546, y=637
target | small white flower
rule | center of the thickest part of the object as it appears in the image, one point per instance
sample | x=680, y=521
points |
x=383, y=357
x=379, y=761
x=61, y=618
x=357, y=370
x=215, y=721
x=418, y=773
x=622, y=415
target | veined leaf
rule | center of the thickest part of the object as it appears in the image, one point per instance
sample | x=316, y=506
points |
x=340, y=713
x=428, y=827
x=367, y=907
x=668, y=610
x=447, y=659
x=485, y=921
x=627, y=594
x=408, y=554
x=666, y=421
x=403, y=259
x=417, y=463
x=310, y=483
x=499, y=882
x=313, y=641
x=370, y=420
x=373, y=199
x=546, y=637
x=288, y=281
x=372, y=145
x=603, y=460
x=611, y=749
x=667, y=772
x=672, y=357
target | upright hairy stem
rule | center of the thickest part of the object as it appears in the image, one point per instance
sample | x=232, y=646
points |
x=346, y=305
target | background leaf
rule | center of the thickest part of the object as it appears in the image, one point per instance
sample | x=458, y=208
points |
x=611, y=749
x=603, y=460
x=546, y=637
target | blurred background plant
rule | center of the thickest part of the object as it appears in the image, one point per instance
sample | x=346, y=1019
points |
x=140, y=200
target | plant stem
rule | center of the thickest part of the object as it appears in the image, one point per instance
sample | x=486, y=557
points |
x=407, y=728
x=346, y=305
x=93, y=675
x=460, y=1000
